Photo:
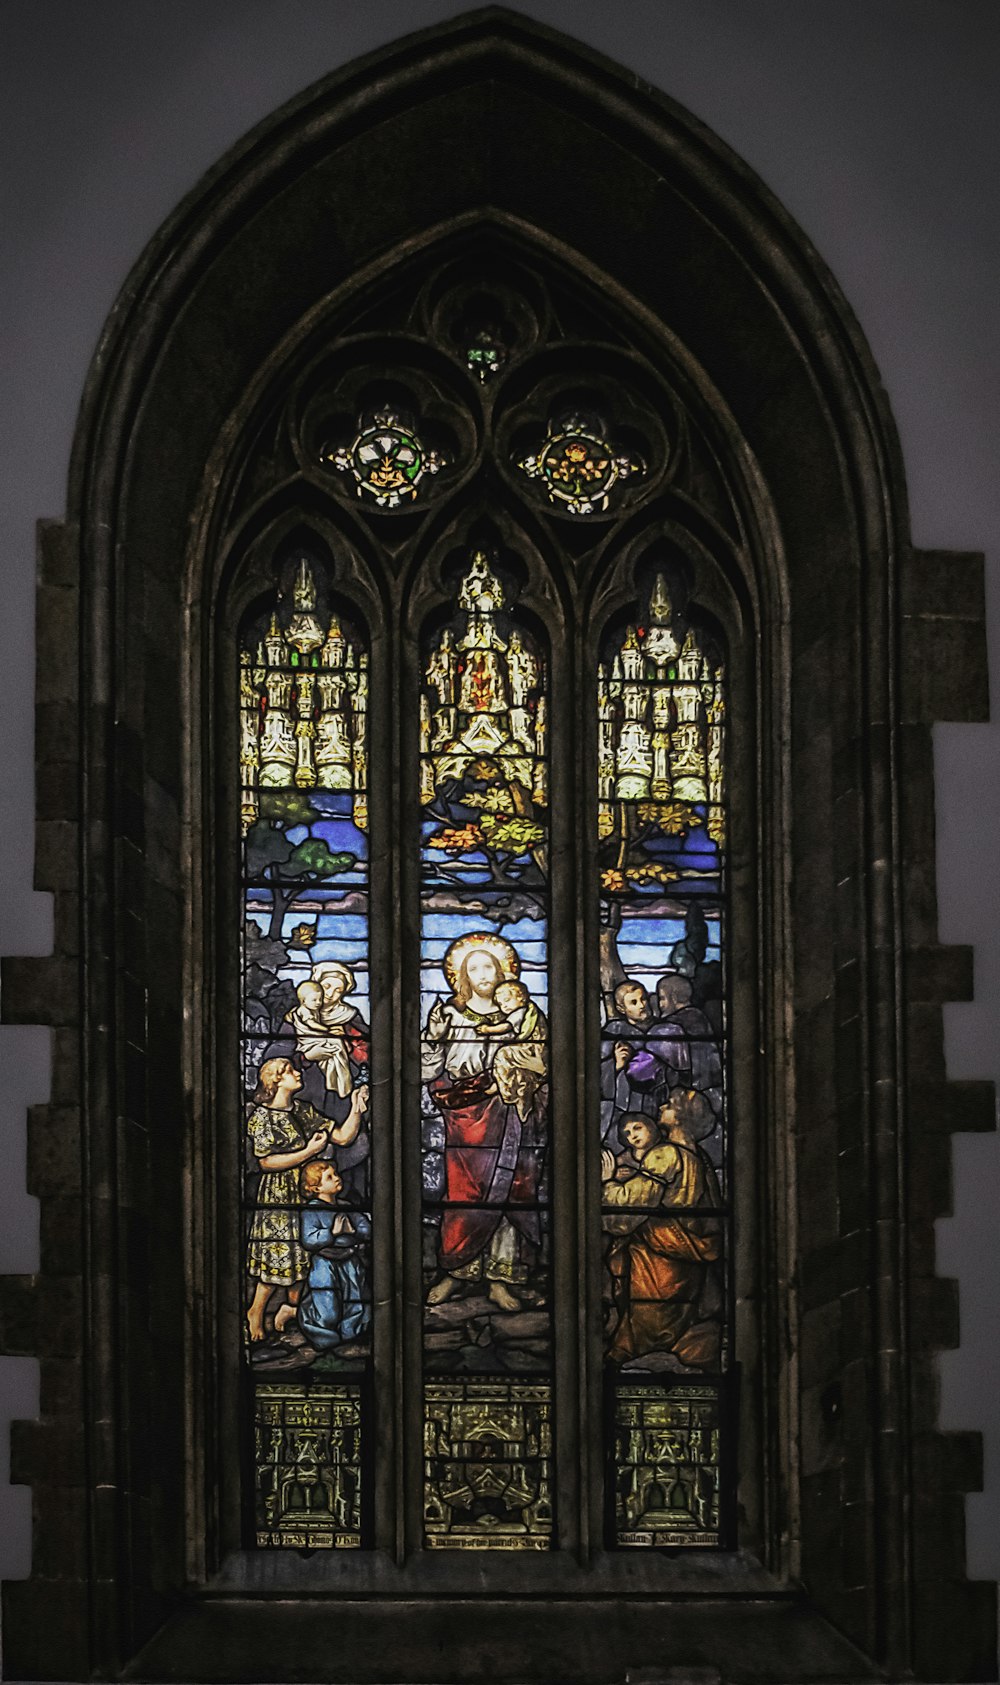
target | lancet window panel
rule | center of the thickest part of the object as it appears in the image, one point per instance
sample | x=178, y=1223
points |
x=305, y=1054
x=665, y=1159
x=485, y=1065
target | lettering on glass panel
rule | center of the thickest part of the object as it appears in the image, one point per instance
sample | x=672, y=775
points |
x=308, y=1451
x=487, y=1465
x=305, y=1057
x=663, y=1129
x=484, y=1048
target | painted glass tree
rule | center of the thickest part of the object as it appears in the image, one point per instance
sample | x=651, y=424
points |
x=305, y=1042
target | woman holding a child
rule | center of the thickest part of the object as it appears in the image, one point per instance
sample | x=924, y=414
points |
x=490, y=1107
x=329, y=1030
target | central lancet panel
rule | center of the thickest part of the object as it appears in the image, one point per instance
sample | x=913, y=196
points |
x=484, y=1048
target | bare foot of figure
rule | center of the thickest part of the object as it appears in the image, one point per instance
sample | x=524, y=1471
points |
x=283, y=1317
x=503, y=1298
x=255, y=1312
x=443, y=1290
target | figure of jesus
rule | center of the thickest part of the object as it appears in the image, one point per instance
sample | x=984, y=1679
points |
x=490, y=1222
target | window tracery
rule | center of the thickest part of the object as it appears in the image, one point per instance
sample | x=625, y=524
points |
x=476, y=807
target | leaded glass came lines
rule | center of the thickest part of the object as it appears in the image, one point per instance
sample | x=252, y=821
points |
x=664, y=1146
x=305, y=1060
x=485, y=1067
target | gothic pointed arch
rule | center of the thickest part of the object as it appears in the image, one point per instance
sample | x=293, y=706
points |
x=350, y=265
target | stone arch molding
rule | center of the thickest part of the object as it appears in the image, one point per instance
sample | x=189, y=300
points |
x=491, y=135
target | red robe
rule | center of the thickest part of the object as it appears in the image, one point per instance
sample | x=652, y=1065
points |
x=491, y=1169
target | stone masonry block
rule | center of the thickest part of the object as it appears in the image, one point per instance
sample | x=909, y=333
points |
x=939, y=973
x=947, y=1106
x=59, y=1331
x=948, y=1462
x=61, y=1235
x=934, y=1314
x=47, y=1454
x=57, y=553
x=821, y=1508
x=65, y=1089
x=56, y=734
x=57, y=843
x=851, y=1609
x=60, y=1529
x=855, y=1324
x=45, y=1624
x=943, y=584
x=847, y=990
x=54, y=1157
x=853, y=1194
x=57, y=676
x=57, y=790
x=61, y=1390
x=930, y=1178
x=66, y=923
x=40, y=990
x=955, y=1625
x=819, y=1344
x=925, y=1043
x=943, y=670
x=857, y=1543
x=925, y=1390
x=18, y=1315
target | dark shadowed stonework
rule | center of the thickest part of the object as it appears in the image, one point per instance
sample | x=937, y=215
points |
x=491, y=141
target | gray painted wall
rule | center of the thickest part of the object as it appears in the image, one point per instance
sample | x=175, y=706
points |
x=876, y=122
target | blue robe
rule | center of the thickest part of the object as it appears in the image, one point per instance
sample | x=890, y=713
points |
x=334, y=1306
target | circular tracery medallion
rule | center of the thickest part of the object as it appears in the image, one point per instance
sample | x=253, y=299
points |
x=388, y=461
x=578, y=467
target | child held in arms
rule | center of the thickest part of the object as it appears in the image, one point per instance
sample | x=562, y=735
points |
x=329, y=1031
x=335, y=1307
x=519, y=1066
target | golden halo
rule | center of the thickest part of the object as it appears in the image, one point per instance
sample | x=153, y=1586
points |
x=506, y=959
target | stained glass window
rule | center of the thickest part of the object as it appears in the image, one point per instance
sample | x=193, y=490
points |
x=481, y=627
x=488, y=1405
x=485, y=1076
x=664, y=1148
x=305, y=1058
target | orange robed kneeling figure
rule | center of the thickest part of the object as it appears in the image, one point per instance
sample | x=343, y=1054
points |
x=665, y=1267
